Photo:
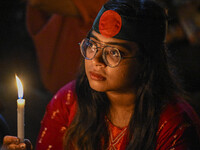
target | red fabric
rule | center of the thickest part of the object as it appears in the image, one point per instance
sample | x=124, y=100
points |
x=59, y=114
x=178, y=125
x=117, y=136
x=110, y=23
x=56, y=41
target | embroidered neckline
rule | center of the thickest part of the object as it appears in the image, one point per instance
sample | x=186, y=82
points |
x=114, y=126
x=116, y=135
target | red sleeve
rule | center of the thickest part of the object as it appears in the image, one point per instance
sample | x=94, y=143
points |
x=177, y=129
x=59, y=114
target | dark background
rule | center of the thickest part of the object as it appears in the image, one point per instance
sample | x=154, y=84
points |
x=17, y=56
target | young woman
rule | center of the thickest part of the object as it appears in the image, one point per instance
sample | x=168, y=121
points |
x=126, y=96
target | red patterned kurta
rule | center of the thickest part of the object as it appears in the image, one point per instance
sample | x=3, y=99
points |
x=178, y=125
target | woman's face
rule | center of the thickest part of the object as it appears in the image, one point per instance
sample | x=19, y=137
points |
x=121, y=78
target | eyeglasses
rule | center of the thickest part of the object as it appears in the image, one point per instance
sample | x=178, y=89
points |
x=111, y=55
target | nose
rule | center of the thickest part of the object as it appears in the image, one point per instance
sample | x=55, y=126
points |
x=98, y=59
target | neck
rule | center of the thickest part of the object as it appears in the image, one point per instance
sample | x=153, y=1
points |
x=121, y=107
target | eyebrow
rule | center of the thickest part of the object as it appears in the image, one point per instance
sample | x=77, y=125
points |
x=124, y=45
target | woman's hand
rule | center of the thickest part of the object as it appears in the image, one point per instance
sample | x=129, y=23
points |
x=13, y=143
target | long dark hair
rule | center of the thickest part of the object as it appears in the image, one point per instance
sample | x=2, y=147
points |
x=156, y=85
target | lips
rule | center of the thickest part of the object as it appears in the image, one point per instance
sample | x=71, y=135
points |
x=96, y=76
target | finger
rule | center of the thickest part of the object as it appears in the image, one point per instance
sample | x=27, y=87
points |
x=28, y=144
x=10, y=139
x=21, y=146
x=12, y=147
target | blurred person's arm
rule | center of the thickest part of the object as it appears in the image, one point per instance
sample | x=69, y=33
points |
x=55, y=35
x=62, y=7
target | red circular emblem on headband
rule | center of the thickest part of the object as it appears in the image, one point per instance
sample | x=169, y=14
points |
x=110, y=23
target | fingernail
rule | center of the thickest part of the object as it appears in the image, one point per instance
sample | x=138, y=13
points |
x=17, y=141
x=22, y=146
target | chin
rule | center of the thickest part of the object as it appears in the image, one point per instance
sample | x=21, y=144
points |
x=97, y=86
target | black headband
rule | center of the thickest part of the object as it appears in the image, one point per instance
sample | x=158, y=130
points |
x=110, y=23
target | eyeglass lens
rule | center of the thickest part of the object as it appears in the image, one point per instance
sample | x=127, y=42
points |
x=110, y=55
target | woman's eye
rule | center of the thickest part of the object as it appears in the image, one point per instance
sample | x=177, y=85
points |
x=114, y=52
x=91, y=46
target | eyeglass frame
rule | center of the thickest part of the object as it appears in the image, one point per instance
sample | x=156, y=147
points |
x=103, y=55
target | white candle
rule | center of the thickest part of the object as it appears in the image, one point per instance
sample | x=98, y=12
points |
x=20, y=111
x=20, y=119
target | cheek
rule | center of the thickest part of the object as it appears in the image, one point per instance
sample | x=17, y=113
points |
x=124, y=75
x=87, y=64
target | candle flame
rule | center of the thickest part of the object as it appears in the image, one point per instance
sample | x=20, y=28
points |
x=19, y=87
